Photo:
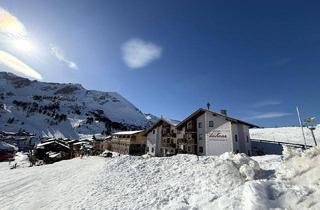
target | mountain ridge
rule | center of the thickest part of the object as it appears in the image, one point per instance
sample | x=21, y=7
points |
x=63, y=109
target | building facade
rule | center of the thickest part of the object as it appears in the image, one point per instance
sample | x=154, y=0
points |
x=101, y=143
x=162, y=138
x=129, y=142
x=211, y=133
x=23, y=140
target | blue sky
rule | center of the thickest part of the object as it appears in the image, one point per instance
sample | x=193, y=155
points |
x=257, y=59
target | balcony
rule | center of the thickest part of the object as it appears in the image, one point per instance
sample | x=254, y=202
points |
x=172, y=135
x=184, y=141
x=172, y=145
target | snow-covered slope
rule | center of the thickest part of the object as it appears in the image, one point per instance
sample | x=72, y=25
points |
x=285, y=134
x=152, y=118
x=63, y=109
x=229, y=181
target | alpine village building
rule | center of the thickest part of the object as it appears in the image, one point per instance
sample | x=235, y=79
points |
x=204, y=132
x=129, y=142
x=162, y=138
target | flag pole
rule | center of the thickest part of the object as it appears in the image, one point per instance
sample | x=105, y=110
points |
x=304, y=138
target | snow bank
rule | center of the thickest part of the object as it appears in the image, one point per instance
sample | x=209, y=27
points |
x=127, y=182
x=229, y=181
x=295, y=185
x=301, y=172
x=248, y=168
x=178, y=182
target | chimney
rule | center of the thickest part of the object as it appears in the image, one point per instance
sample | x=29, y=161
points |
x=223, y=112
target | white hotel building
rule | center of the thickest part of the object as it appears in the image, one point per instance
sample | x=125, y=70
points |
x=204, y=132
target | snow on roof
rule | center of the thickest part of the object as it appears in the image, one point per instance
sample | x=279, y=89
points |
x=20, y=133
x=52, y=142
x=173, y=122
x=169, y=121
x=128, y=132
x=7, y=147
x=80, y=142
x=200, y=111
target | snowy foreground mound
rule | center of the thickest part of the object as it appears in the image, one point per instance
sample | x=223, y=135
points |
x=180, y=182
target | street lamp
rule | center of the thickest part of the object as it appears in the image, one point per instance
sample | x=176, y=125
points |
x=311, y=128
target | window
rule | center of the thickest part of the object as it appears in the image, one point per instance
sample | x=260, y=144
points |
x=189, y=125
x=200, y=136
x=154, y=131
x=152, y=149
x=236, y=138
x=201, y=149
x=189, y=148
x=211, y=125
x=200, y=125
x=247, y=139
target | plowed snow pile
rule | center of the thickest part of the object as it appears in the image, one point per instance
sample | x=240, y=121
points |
x=179, y=182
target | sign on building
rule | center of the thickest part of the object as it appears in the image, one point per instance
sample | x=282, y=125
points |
x=219, y=135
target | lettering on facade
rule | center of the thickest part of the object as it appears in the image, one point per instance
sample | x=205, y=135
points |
x=218, y=135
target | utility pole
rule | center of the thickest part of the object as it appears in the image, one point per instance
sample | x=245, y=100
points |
x=304, y=138
x=311, y=128
x=314, y=138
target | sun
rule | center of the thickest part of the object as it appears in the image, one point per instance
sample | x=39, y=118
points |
x=24, y=45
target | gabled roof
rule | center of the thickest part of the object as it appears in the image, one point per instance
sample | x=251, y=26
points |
x=128, y=132
x=170, y=122
x=200, y=111
x=53, y=142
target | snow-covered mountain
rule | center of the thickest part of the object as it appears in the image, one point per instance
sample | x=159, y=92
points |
x=152, y=118
x=63, y=110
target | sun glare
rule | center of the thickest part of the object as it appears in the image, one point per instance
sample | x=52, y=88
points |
x=24, y=45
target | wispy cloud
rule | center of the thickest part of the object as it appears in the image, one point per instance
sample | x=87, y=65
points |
x=137, y=53
x=266, y=103
x=57, y=52
x=269, y=115
x=10, y=25
x=17, y=65
x=282, y=61
x=12, y=29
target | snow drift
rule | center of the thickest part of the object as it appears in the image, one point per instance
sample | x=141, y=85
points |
x=229, y=181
